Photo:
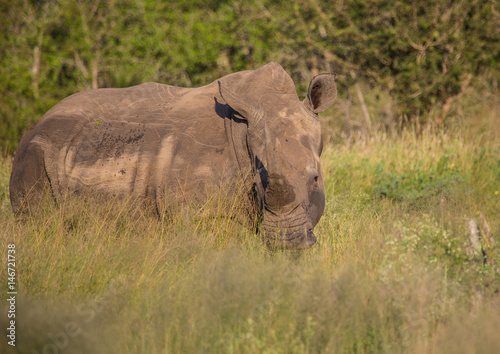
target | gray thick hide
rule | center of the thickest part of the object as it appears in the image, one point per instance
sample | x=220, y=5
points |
x=165, y=144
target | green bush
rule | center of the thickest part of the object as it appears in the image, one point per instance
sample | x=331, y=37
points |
x=422, y=54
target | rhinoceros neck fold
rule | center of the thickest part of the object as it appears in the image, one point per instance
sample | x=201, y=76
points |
x=236, y=133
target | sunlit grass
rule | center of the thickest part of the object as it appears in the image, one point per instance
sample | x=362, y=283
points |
x=390, y=272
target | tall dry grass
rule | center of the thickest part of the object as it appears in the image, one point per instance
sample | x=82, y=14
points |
x=390, y=272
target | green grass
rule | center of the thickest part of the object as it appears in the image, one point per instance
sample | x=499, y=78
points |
x=390, y=272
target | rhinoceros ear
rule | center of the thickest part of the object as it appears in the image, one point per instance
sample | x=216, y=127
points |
x=322, y=93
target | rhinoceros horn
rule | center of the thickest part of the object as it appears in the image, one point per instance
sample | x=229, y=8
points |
x=279, y=192
x=272, y=164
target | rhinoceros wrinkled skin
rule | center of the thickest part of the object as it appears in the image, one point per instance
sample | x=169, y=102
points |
x=160, y=143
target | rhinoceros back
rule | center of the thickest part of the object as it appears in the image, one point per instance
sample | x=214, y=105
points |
x=120, y=141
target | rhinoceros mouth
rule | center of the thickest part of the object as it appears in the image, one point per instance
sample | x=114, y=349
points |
x=298, y=241
x=302, y=240
x=310, y=239
x=289, y=222
x=299, y=235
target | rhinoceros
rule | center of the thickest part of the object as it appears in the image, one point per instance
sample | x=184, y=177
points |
x=158, y=142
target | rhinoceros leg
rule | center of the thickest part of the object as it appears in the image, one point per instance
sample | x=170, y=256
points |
x=29, y=181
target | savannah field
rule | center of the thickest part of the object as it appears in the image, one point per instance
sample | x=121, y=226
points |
x=393, y=270
x=411, y=161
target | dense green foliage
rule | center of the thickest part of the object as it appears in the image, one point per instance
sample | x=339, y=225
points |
x=422, y=53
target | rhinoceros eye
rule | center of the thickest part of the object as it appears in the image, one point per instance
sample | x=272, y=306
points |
x=313, y=183
x=314, y=178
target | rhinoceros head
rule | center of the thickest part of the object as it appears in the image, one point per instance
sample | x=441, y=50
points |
x=284, y=143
